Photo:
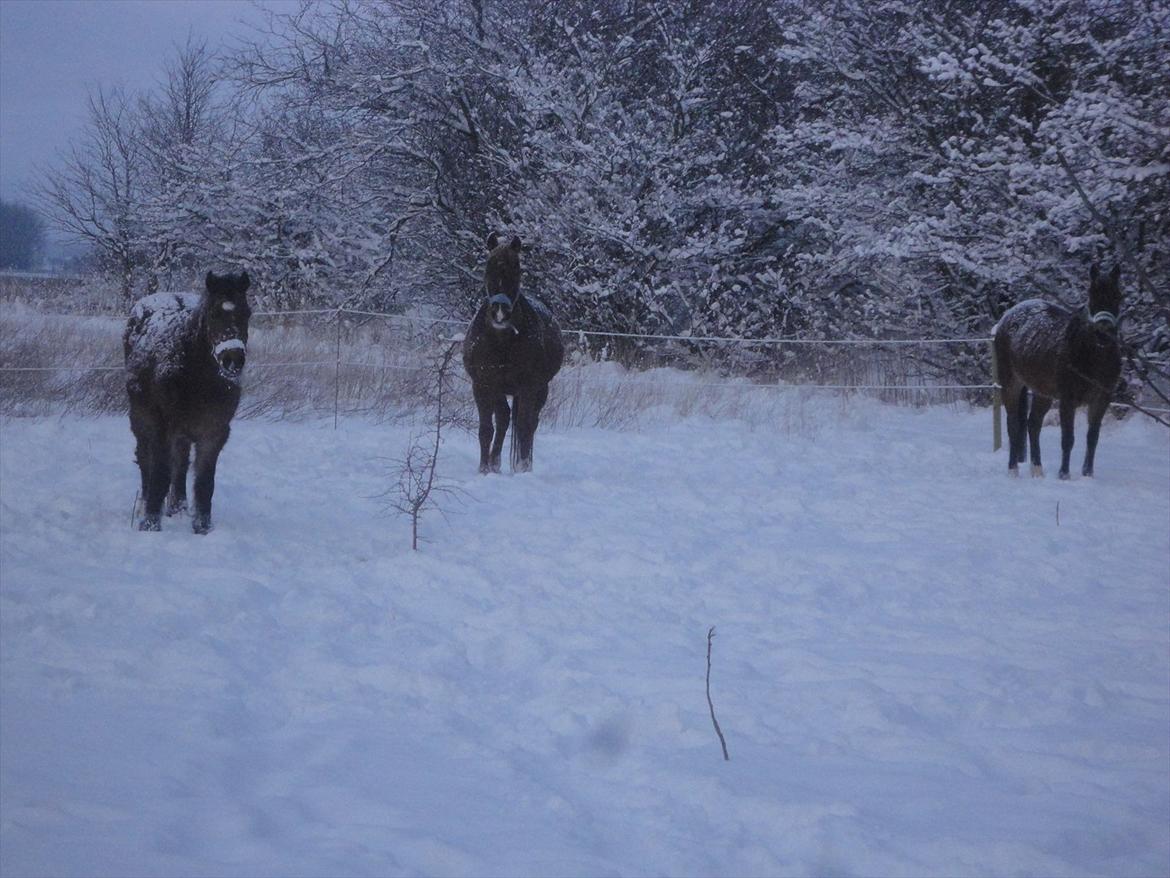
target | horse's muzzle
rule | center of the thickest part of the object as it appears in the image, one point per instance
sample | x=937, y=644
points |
x=232, y=363
x=230, y=356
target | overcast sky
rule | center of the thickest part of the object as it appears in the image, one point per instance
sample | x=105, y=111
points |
x=53, y=51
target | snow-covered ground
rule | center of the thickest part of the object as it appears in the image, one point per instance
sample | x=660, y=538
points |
x=921, y=666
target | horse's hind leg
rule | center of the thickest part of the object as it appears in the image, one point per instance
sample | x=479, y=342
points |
x=541, y=397
x=180, y=460
x=1022, y=413
x=1014, y=400
x=1097, y=408
x=207, y=451
x=503, y=418
x=1040, y=407
x=1068, y=414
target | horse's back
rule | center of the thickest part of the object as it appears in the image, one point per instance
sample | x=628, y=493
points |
x=155, y=331
x=1034, y=327
x=1033, y=337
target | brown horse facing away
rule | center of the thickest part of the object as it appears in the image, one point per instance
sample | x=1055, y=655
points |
x=512, y=348
x=184, y=360
x=1060, y=354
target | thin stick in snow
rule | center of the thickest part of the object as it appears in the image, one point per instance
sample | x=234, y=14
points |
x=718, y=731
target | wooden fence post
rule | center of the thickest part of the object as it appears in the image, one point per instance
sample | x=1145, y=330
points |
x=337, y=371
x=996, y=404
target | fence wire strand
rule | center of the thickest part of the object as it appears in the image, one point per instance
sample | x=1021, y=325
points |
x=579, y=333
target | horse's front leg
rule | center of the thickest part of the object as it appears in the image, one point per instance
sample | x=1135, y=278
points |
x=526, y=423
x=180, y=461
x=207, y=451
x=1097, y=409
x=536, y=400
x=484, y=404
x=158, y=474
x=1068, y=414
x=503, y=419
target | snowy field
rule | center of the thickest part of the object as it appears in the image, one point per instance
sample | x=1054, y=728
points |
x=922, y=667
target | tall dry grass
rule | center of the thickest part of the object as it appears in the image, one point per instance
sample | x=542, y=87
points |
x=311, y=365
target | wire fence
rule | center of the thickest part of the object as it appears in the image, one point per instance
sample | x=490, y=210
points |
x=302, y=362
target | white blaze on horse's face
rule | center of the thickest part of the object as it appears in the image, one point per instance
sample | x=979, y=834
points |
x=501, y=281
x=227, y=322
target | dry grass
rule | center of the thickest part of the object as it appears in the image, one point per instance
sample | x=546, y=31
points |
x=298, y=369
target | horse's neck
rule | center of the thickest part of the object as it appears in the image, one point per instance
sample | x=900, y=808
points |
x=1086, y=352
x=196, y=347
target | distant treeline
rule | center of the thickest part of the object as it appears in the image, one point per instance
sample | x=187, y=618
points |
x=22, y=237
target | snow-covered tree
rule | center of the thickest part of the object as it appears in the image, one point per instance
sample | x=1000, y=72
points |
x=750, y=168
x=944, y=160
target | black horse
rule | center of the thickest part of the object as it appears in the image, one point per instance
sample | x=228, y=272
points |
x=1060, y=354
x=184, y=359
x=512, y=348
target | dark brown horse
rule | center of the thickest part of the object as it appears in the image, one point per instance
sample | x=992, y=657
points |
x=513, y=348
x=1060, y=354
x=184, y=359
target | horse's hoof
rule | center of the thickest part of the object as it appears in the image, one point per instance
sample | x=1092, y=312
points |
x=176, y=508
x=1014, y=472
x=201, y=524
x=1087, y=473
x=1037, y=471
x=150, y=523
x=1064, y=476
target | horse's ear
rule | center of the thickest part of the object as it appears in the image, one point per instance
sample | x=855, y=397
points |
x=1094, y=271
x=215, y=284
x=515, y=244
x=244, y=283
x=492, y=241
x=1115, y=275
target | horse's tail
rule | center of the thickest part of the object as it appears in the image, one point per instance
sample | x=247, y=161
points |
x=514, y=447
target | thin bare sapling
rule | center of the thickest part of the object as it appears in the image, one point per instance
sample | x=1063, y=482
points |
x=417, y=486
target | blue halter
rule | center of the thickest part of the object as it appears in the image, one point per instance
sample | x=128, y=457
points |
x=502, y=299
